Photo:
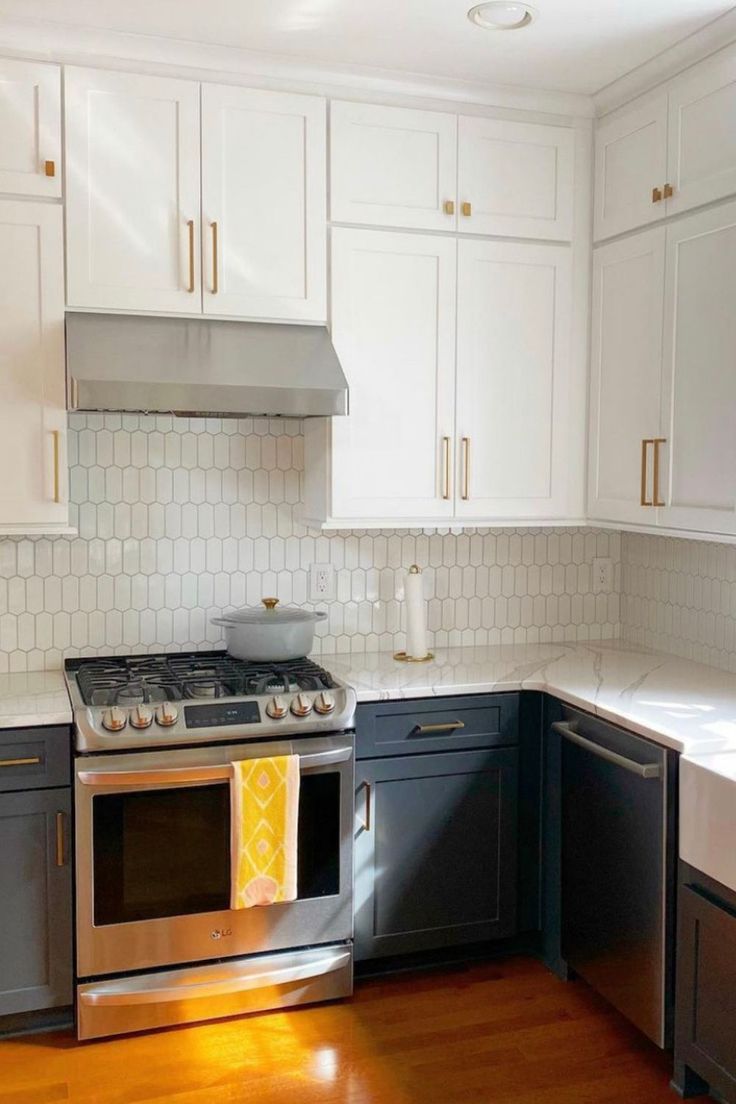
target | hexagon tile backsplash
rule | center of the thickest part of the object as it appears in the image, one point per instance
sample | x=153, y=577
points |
x=179, y=519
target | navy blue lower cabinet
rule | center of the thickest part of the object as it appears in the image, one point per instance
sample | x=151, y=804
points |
x=435, y=850
x=35, y=901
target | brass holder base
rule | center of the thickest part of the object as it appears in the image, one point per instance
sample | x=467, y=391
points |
x=404, y=658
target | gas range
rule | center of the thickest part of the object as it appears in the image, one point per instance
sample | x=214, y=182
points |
x=188, y=698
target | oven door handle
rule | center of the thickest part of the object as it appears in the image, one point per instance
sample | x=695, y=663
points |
x=187, y=776
x=136, y=990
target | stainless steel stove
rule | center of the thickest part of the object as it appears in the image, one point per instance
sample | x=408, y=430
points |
x=156, y=739
x=188, y=698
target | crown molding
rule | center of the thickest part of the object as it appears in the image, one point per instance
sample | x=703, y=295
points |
x=689, y=51
x=76, y=45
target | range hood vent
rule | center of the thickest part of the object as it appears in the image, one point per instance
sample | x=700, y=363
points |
x=198, y=366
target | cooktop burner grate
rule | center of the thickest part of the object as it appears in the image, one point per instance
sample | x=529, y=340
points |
x=199, y=676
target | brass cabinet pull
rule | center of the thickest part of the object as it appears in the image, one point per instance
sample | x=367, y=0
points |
x=447, y=726
x=669, y=191
x=49, y=168
x=467, y=210
x=644, y=501
x=57, y=490
x=215, y=264
x=656, y=501
x=32, y=761
x=367, y=818
x=190, y=230
x=446, y=467
x=449, y=206
x=60, y=839
x=466, y=468
x=656, y=195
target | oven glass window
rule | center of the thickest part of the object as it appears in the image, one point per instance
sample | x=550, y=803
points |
x=167, y=852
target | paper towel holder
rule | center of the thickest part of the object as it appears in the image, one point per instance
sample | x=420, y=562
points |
x=402, y=657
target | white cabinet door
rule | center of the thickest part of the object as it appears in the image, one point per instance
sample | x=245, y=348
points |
x=33, y=463
x=513, y=371
x=698, y=483
x=393, y=325
x=515, y=179
x=132, y=192
x=30, y=128
x=702, y=135
x=392, y=166
x=264, y=204
x=630, y=162
x=626, y=376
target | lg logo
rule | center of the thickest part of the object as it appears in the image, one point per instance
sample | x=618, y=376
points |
x=220, y=933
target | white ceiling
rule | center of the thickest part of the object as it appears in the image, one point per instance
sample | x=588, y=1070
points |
x=575, y=46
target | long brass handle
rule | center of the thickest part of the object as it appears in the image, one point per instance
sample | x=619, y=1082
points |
x=31, y=761
x=190, y=231
x=466, y=209
x=57, y=489
x=656, y=501
x=466, y=468
x=668, y=192
x=367, y=817
x=60, y=839
x=215, y=263
x=449, y=206
x=656, y=195
x=644, y=501
x=446, y=466
x=431, y=729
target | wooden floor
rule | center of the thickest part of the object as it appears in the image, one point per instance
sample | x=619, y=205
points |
x=488, y=1033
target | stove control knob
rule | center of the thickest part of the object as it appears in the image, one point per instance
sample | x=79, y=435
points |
x=301, y=706
x=277, y=708
x=141, y=716
x=324, y=703
x=167, y=715
x=115, y=719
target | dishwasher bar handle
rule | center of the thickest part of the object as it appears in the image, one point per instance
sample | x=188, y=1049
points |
x=185, y=776
x=643, y=770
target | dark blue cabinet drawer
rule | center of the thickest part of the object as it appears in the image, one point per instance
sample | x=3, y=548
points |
x=439, y=724
x=34, y=758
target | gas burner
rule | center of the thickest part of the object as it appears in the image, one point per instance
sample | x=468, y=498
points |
x=203, y=688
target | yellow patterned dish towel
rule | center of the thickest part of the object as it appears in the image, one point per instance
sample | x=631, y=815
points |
x=264, y=808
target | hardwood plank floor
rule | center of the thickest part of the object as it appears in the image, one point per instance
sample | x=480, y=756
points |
x=490, y=1033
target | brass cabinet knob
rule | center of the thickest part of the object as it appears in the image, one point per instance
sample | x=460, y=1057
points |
x=49, y=168
x=467, y=210
x=449, y=206
x=656, y=195
x=669, y=191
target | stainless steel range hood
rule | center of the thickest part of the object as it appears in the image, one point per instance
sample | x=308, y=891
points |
x=201, y=366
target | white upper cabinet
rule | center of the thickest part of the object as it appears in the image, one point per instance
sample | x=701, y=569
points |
x=393, y=325
x=33, y=486
x=514, y=438
x=515, y=179
x=702, y=135
x=132, y=192
x=392, y=166
x=631, y=168
x=263, y=204
x=698, y=482
x=626, y=370
x=30, y=128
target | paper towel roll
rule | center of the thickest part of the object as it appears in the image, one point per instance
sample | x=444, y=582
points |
x=416, y=615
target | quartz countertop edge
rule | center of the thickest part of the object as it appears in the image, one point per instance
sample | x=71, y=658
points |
x=675, y=702
x=30, y=699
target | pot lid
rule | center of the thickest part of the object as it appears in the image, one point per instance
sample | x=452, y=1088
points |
x=269, y=613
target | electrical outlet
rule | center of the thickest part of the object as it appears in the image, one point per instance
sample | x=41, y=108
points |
x=321, y=583
x=602, y=576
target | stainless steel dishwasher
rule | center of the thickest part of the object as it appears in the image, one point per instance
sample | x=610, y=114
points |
x=617, y=867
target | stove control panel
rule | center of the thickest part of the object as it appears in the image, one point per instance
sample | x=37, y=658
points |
x=222, y=713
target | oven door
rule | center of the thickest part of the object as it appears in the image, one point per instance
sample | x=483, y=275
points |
x=153, y=857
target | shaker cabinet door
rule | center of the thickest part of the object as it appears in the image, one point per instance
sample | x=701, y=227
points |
x=626, y=376
x=30, y=128
x=435, y=851
x=264, y=204
x=33, y=463
x=631, y=168
x=392, y=166
x=132, y=192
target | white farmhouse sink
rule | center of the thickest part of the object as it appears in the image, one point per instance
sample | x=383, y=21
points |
x=708, y=814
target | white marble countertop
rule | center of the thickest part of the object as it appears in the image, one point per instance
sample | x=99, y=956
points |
x=680, y=704
x=34, y=698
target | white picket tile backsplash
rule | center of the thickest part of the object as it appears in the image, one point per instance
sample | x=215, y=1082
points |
x=679, y=596
x=179, y=519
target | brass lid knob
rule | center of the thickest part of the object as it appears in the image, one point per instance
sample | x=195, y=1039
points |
x=270, y=603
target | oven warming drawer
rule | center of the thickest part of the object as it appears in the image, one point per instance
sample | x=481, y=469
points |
x=230, y=988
